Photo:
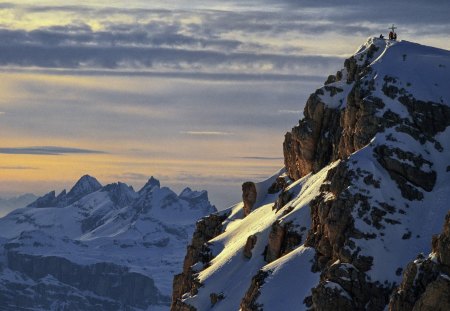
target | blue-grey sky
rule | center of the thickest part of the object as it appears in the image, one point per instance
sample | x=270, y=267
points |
x=197, y=94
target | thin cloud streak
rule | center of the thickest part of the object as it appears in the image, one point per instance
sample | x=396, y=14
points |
x=48, y=150
x=131, y=176
x=206, y=133
x=284, y=111
x=261, y=158
x=18, y=168
x=202, y=76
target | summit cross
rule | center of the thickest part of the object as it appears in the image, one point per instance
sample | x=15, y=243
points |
x=392, y=28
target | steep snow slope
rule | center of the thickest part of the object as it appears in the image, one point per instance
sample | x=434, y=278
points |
x=105, y=247
x=366, y=185
x=227, y=248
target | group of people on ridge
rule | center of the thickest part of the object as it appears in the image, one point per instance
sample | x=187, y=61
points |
x=392, y=33
x=392, y=36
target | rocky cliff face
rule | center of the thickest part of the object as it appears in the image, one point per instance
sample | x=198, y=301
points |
x=365, y=186
x=97, y=248
x=426, y=281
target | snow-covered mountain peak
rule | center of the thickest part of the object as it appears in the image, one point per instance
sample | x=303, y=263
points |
x=366, y=185
x=191, y=195
x=46, y=200
x=85, y=185
x=151, y=183
x=120, y=193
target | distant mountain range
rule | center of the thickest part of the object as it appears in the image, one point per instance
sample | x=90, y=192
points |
x=7, y=205
x=97, y=247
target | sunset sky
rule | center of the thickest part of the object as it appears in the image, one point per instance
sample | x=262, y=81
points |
x=195, y=93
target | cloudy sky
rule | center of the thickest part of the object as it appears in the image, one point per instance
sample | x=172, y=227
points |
x=196, y=93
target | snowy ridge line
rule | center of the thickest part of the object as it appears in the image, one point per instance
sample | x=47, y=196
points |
x=365, y=187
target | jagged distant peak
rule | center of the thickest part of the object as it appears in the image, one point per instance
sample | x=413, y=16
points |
x=44, y=201
x=151, y=183
x=118, y=187
x=85, y=185
x=189, y=194
x=120, y=193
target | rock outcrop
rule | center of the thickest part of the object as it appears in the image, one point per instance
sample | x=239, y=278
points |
x=426, y=281
x=327, y=133
x=248, y=302
x=197, y=253
x=251, y=242
x=282, y=239
x=248, y=196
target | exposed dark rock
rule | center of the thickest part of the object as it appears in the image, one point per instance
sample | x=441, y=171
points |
x=181, y=306
x=326, y=134
x=331, y=233
x=330, y=298
x=346, y=287
x=392, y=160
x=198, y=251
x=426, y=282
x=311, y=144
x=330, y=79
x=283, y=198
x=279, y=185
x=248, y=196
x=249, y=245
x=249, y=303
x=429, y=117
x=276, y=237
x=215, y=298
x=389, y=89
x=369, y=180
x=283, y=238
x=333, y=90
x=352, y=69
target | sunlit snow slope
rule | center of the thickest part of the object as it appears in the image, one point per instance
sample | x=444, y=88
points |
x=365, y=186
